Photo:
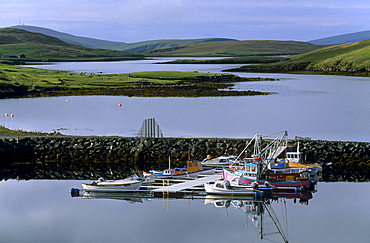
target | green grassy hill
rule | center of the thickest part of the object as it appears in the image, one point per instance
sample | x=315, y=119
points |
x=39, y=46
x=351, y=58
x=72, y=39
x=237, y=48
x=157, y=44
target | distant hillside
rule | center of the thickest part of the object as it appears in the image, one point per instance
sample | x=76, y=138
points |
x=350, y=58
x=35, y=45
x=72, y=39
x=237, y=48
x=342, y=39
x=157, y=44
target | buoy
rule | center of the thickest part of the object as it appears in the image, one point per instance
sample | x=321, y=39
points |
x=119, y=105
x=12, y=115
x=6, y=114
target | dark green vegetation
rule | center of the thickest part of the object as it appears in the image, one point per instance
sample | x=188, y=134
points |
x=72, y=39
x=40, y=47
x=346, y=59
x=342, y=39
x=18, y=81
x=237, y=48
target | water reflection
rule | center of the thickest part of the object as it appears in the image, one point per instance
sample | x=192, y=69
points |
x=260, y=213
x=44, y=211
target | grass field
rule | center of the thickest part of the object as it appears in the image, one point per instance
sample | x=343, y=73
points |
x=31, y=77
x=18, y=81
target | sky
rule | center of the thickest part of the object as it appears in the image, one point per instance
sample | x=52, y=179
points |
x=140, y=20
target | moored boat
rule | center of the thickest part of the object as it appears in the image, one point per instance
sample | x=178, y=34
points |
x=132, y=183
x=224, y=188
x=296, y=160
x=262, y=167
x=192, y=170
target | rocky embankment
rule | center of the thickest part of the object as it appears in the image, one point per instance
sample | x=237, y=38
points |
x=115, y=157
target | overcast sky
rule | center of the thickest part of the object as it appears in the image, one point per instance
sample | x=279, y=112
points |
x=139, y=20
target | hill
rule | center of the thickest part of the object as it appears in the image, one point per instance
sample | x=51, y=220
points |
x=112, y=45
x=342, y=39
x=72, y=39
x=351, y=58
x=237, y=48
x=39, y=46
x=157, y=44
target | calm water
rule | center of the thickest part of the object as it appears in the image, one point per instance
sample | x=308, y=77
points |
x=316, y=106
x=44, y=211
x=321, y=107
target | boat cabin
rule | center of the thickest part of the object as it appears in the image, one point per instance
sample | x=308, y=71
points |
x=191, y=166
x=295, y=157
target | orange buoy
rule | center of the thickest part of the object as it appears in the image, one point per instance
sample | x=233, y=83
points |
x=6, y=114
x=119, y=105
x=12, y=115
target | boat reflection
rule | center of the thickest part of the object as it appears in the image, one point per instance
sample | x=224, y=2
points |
x=258, y=212
x=125, y=196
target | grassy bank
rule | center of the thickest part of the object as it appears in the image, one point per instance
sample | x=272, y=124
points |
x=346, y=59
x=18, y=81
x=9, y=132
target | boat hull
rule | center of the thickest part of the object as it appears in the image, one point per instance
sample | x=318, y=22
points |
x=115, y=186
x=211, y=189
x=244, y=180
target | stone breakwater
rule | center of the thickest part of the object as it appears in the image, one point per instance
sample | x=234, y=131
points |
x=67, y=157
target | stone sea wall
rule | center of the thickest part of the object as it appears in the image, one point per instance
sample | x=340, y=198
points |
x=67, y=157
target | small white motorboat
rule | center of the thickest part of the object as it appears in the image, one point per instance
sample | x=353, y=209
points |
x=224, y=188
x=132, y=183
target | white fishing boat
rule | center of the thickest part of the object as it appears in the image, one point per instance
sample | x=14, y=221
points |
x=262, y=167
x=296, y=160
x=132, y=183
x=224, y=188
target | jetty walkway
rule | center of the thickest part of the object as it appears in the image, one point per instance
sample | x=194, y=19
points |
x=185, y=186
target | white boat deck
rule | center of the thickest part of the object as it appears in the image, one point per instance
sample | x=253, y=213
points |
x=187, y=185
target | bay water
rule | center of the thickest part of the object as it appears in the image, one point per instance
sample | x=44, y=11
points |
x=324, y=107
x=316, y=106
